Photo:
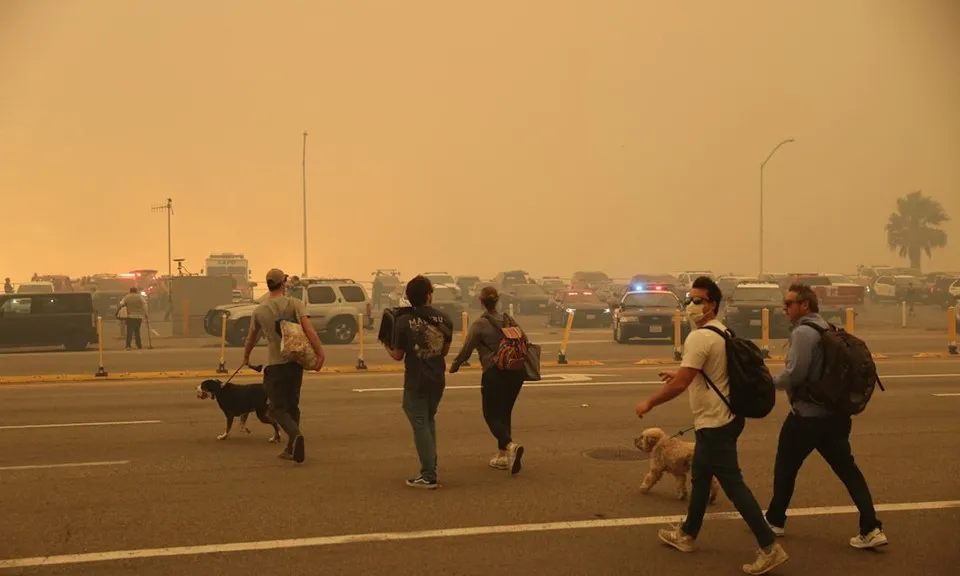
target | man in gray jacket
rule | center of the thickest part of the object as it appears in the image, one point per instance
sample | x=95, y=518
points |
x=810, y=426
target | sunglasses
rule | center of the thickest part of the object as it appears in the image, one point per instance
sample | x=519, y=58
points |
x=694, y=300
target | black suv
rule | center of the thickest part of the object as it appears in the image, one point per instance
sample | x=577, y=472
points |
x=65, y=319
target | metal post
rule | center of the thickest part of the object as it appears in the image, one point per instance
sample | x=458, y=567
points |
x=304, y=203
x=562, y=356
x=464, y=317
x=765, y=332
x=361, y=364
x=850, y=324
x=762, y=164
x=222, y=367
x=677, y=337
x=101, y=372
x=168, y=208
x=952, y=329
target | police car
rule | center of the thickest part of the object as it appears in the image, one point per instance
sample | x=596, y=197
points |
x=743, y=312
x=648, y=314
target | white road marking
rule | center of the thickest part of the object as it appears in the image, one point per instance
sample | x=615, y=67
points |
x=66, y=465
x=531, y=385
x=79, y=424
x=320, y=541
x=896, y=376
x=948, y=394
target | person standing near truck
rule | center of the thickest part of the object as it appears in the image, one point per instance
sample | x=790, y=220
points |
x=135, y=307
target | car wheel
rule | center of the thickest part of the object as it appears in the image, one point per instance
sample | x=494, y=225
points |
x=341, y=330
x=618, y=335
x=237, y=336
x=76, y=341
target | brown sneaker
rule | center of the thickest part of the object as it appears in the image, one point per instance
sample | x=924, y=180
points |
x=767, y=561
x=676, y=538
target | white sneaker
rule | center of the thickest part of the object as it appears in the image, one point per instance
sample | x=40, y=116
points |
x=874, y=539
x=767, y=561
x=499, y=462
x=777, y=531
x=514, y=457
x=676, y=538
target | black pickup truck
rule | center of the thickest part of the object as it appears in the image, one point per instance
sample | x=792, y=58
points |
x=65, y=319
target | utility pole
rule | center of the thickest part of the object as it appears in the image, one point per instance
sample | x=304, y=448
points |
x=762, y=164
x=168, y=208
x=304, y=203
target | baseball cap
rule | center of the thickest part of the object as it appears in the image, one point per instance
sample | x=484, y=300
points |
x=276, y=276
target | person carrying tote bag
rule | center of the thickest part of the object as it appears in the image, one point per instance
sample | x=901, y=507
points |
x=507, y=359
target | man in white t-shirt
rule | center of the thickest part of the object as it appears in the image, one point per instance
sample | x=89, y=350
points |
x=717, y=429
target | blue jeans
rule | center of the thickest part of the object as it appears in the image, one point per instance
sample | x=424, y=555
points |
x=421, y=409
x=715, y=454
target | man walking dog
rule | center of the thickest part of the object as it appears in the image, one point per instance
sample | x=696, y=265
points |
x=717, y=429
x=282, y=380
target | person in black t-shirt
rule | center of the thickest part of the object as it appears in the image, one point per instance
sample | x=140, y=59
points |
x=423, y=341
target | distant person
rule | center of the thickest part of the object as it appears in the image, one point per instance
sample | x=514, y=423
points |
x=810, y=426
x=499, y=389
x=423, y=342
x=911, y=298
x=717, y=430
x=281, y=379
x=7, y=286
x=133, y=309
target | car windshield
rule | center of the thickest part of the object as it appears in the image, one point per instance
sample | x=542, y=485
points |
x=528, y=290
x=388, y=280
x=814, y=280
x=763, y=294
x=581, y=298
x=35, y=289
x=444, y=294
x=440, y=278
x=838, y=279
x=294, y=292
x=665, y=300
x=593, y=277
x=907, y=281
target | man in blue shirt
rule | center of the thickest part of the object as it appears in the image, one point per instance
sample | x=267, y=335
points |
x=811, y=426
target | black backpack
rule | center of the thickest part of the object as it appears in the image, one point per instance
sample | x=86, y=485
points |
x=849, y=374
x=752, y=392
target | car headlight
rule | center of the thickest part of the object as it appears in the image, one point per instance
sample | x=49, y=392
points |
x=571, y=310
x=732, y=309
x=606, y=311
x=629, y=319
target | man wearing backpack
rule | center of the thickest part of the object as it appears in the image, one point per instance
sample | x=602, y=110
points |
x=423, y=338
x=717, y=429
x=812, y=425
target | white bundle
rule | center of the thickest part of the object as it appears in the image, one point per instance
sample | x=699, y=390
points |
x=294, y=345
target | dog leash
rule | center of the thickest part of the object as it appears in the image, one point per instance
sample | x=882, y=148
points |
x=257, y=368
x=682, y=432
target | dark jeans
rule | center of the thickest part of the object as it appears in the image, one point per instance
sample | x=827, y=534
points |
x=133, y=330
x=499, y=390
x=282, y=383
x=715, y=454
x=830, y=436
x=420, y=406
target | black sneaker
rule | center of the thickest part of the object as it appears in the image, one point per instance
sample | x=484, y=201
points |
x=421, y=482
x=298, y=454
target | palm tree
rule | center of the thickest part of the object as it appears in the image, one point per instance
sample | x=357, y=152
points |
x=914, y=229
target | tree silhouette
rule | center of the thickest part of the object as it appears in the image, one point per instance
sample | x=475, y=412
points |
x=914, y=229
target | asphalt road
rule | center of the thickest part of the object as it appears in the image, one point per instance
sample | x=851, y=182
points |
x=583, y=345
x=166, y=482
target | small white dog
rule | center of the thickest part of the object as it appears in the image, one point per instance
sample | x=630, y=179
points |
x=671, y=456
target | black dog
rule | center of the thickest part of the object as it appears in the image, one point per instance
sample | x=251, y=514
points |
x=238, y=400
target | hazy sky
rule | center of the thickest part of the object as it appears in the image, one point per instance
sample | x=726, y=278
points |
x=621, y=135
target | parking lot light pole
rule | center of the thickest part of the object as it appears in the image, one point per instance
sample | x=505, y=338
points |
x=304, y=180
x=762, y=164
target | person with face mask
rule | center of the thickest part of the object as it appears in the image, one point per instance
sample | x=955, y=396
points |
x=810, y=426
x=717, y=430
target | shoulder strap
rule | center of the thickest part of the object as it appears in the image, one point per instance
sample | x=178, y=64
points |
x=820, y=329
x=724, y=335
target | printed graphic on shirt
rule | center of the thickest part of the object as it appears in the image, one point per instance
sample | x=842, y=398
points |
x=428, y=340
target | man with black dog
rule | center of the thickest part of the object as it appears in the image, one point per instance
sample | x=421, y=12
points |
x=282, y=380
x=423, y=337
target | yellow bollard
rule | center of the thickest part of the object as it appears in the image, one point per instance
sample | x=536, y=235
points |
x=850, y=326
x=186, y=319
x=222, y=368
x=677, y=334
x=562, y=358
x=100, y=371
x=952, y=329
x=765, y=332
x=464, y=318
x=361, y=364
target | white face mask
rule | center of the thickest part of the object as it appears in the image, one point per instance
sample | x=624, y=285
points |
x=695, y=312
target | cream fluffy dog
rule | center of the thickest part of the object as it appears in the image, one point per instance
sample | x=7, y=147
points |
x=670, y=456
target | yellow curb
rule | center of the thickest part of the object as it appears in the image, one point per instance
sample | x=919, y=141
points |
x=879, y=356
x=649, y=361
x=934, y=355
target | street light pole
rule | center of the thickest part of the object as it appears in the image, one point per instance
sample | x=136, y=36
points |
x=304, y=203
x=168, y=208
x=762, y=164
